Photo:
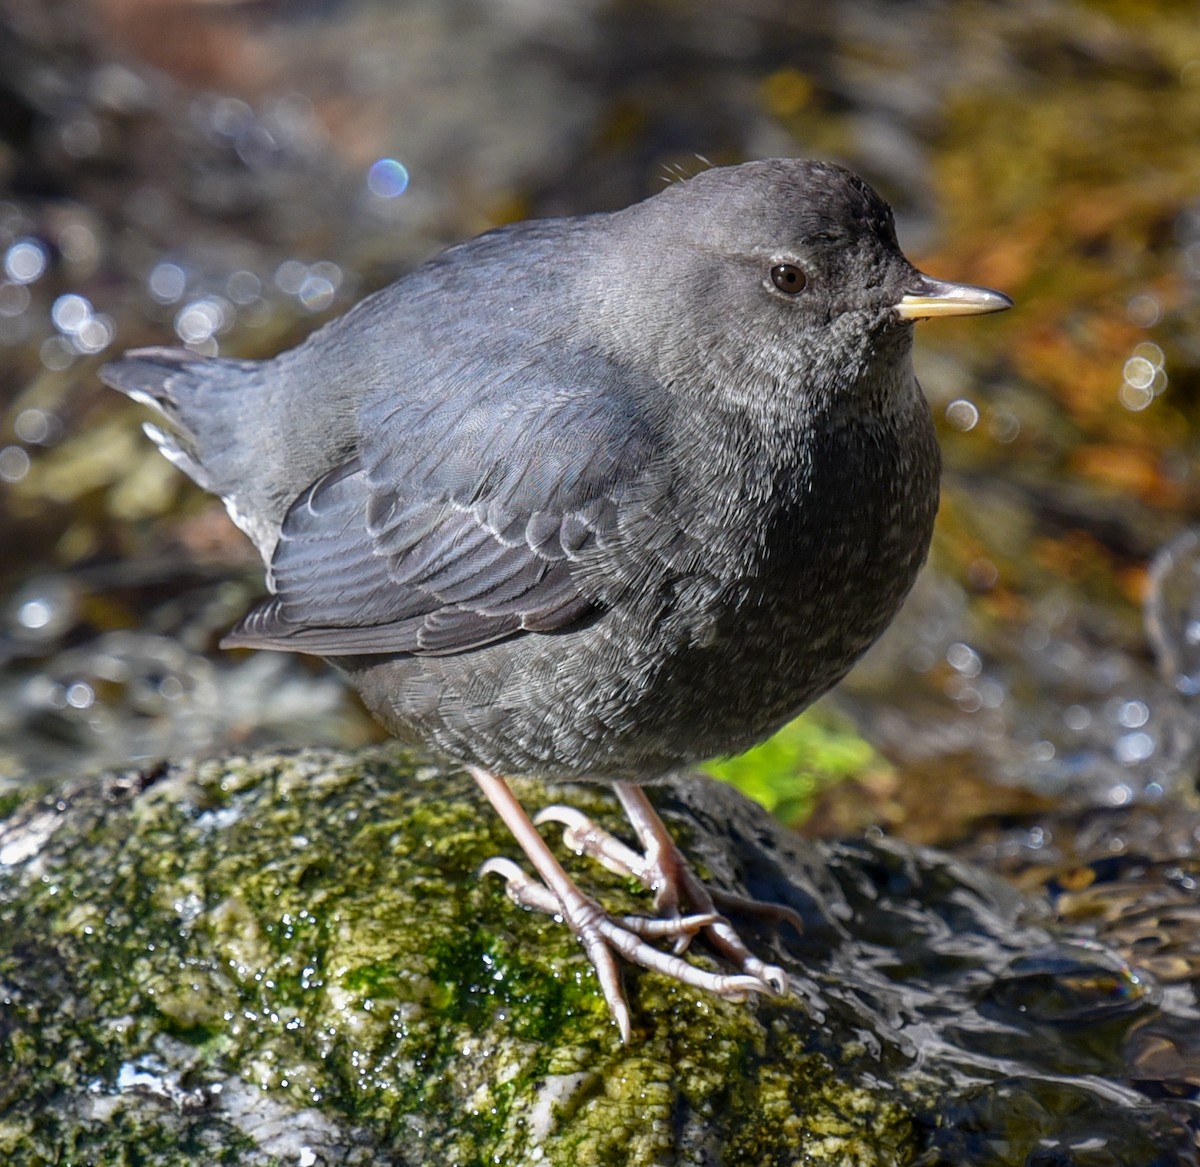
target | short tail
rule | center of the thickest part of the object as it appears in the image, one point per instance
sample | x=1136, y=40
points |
x=214, y=411
x=158, y=378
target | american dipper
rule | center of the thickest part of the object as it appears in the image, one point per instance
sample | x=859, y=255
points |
x=593, y=498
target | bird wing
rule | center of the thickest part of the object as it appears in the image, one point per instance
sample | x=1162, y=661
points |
x=458, y=525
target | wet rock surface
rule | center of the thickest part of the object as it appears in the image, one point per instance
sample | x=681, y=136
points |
x=290, y=959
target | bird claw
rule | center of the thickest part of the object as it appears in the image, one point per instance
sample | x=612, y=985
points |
x=602, y=935
x=662, y=868
x=524, y=891
x=585, y=837
x=729, y=901
x=527, y=892
x=665, y=871
x=669, y=873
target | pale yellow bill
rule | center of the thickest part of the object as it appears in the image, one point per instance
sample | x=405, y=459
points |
x=931, y=297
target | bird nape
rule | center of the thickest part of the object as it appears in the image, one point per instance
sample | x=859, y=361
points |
x=594, y=498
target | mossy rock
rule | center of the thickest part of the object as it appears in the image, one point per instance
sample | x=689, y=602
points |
x=291, y=959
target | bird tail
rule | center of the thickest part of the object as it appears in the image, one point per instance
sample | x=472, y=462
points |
x=212, y=409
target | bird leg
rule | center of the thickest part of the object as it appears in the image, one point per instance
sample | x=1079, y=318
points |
x=665, y=870
x=601, y=934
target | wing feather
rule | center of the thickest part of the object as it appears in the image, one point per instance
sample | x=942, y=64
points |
x=462, y=527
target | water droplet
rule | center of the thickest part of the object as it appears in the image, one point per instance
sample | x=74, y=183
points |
x=25, y=261
x=964, y=659
x=171, y=688
x=14, y=463
x=56, y=354
x=167, y=282
x=80, y=695
x=34, y=614
x=962, y=414
x=70, y=313
x=1133, y=398
x=227, y=116
x=243, y=287
x=1037, y=637
x=315, y=293
x=77, y=242
x=1120, y=795
x=1143, y=310
x=94, y=335
x=1139, y=372
x=290, y=276
x=1132, y=748
x=1077, y=717
x=1151, y=352
x=1133, y=714
x=14, y=299
x=387, y=178
x=969, y=699
x=199, y=320
x=326, y=269
x=36, y=426
x=1004, y=426
x=991, y=693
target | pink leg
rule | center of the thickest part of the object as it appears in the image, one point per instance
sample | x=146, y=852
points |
x=671, y=877
x=600, y=934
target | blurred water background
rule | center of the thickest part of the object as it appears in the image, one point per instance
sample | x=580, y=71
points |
x=227, y=176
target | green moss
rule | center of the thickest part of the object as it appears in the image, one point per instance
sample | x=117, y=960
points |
x=9, y=801
x=313, y=930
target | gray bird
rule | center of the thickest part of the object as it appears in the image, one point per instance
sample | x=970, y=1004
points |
x=593, y=498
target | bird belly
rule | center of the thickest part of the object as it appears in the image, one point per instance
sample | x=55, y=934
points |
x=693, y=663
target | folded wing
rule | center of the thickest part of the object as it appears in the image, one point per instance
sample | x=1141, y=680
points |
x=464, y=520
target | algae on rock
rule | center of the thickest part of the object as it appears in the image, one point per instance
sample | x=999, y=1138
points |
x=291, y=959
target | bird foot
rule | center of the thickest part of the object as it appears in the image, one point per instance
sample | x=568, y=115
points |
x=604, y=936
x=665, y=870
x=529, y=893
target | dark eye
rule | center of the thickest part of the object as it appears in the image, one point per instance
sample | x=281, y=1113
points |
x=787, y=277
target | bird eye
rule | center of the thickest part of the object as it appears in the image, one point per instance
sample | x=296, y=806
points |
x=787, y=277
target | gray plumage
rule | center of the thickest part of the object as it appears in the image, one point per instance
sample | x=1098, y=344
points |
x=588, y=496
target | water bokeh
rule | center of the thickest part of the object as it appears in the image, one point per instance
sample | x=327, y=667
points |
x=227, y=177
